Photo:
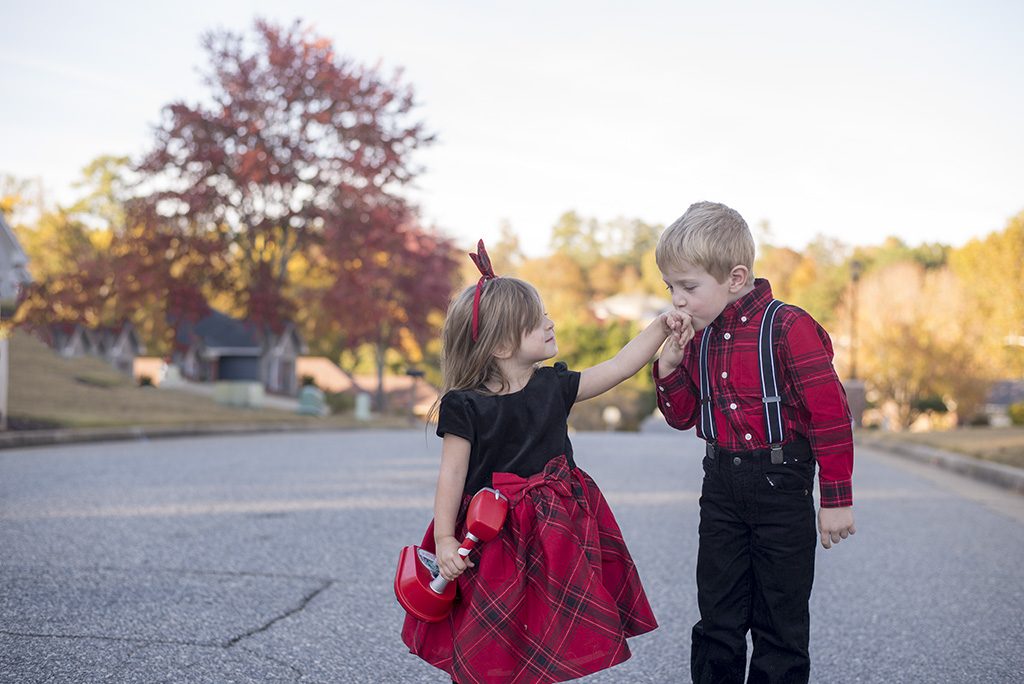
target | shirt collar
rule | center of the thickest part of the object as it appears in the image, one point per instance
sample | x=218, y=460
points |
x=746, y=307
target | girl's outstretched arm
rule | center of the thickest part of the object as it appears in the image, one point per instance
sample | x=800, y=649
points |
x=634, y=356
x=450, y=483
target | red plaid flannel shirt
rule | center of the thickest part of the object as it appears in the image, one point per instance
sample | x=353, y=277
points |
x=813, y=400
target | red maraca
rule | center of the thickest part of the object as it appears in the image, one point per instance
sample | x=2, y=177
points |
x=419, y=586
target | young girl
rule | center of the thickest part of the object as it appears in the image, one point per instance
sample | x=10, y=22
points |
x=553, y=596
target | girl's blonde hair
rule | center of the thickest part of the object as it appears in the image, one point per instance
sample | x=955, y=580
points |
x=509, y=308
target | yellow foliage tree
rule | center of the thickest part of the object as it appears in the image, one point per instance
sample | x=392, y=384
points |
x=919, y=340
x=992, y=271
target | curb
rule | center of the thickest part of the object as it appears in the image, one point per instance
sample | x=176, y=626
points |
x=33, y=438
x=997, y=474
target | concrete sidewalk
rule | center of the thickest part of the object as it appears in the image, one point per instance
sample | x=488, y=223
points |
x=984, y=471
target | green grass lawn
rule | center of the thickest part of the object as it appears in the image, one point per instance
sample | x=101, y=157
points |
x=1000, y=445
x=47, y=390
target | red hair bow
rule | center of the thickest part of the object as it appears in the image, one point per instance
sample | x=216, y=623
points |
x=483, y=263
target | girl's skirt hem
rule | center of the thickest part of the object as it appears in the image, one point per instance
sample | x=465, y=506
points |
x=552, y=598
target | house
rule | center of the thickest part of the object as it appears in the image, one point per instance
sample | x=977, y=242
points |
x=1001, y=396
x=13, y=275
x=119, y=346
x=402, y=391
x=280, y=360
x=641, y=308
x=70, y=339
x=218, y=347
x=13, y=269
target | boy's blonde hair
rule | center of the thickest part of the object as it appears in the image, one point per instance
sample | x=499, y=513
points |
x=509, y=308
x=710, y=235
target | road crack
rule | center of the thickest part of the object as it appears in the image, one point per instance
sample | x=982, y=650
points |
x=288, y=613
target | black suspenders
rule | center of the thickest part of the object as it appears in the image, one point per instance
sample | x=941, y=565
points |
x=707, y=416
x=769, y=386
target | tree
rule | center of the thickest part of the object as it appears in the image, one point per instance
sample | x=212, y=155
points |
x=577, y=238
x=605, y=278
x=71, y=269
x=506, y=254
x=285, y=151
x=562, y=285
x=992, y=271
x=392, y=296
x=919, y=339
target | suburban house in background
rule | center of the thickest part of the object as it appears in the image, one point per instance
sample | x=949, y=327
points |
x=402, y=391
x=13, y=276
x=218, y=347
x=13, y=269
x=640, y=308
x=119, y=345
x=1003, y=395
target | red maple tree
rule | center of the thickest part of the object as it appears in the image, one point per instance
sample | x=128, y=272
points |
x=289, y=140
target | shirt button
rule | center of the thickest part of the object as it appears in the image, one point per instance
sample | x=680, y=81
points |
x=668, y=403
x=727, y=336
x=724, y=374
x=743, y=318
x=748, y=437
x=732, y=406
x=660, y=388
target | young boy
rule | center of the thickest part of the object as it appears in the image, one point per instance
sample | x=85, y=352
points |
x=769, y=404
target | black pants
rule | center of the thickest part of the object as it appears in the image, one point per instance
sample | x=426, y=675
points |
x=755, y=566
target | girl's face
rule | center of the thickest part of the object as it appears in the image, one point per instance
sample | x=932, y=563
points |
x=538, y=344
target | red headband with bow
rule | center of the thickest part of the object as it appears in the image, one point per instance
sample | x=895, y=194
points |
x=483, y=262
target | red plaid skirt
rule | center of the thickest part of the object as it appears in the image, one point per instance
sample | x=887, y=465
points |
x=552, y=597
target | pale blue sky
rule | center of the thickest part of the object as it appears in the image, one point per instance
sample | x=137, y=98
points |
x=855, y=120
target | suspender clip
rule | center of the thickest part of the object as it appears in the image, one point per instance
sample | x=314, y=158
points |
x=776, y=454
x=711, y=450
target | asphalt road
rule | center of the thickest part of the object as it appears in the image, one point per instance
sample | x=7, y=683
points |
x=271, y=559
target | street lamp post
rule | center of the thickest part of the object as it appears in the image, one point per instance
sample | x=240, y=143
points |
x=415, y=374
x=856, y=392
x=855, y=271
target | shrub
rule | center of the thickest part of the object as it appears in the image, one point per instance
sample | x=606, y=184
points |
x=634, y=403
x=1017, y=413
x=340, y=402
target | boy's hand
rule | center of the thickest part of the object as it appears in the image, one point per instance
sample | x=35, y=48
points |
x=680, y=331
x=448, y=559
x=835, y=524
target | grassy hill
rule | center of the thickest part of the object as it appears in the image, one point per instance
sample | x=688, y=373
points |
x=47, y=390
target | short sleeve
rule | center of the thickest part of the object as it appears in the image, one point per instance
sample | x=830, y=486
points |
x=568, y=383
x=453, y=417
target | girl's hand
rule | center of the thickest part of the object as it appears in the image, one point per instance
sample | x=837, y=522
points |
x=680, y=327
x=448, y=559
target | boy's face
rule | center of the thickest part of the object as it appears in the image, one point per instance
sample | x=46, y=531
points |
x=696, y=292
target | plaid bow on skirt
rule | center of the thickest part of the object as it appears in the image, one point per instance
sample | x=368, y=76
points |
x=553, y=597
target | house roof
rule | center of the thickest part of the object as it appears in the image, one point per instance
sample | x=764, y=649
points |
x=13, y=264
x=1006, y=392
x=218, y=330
